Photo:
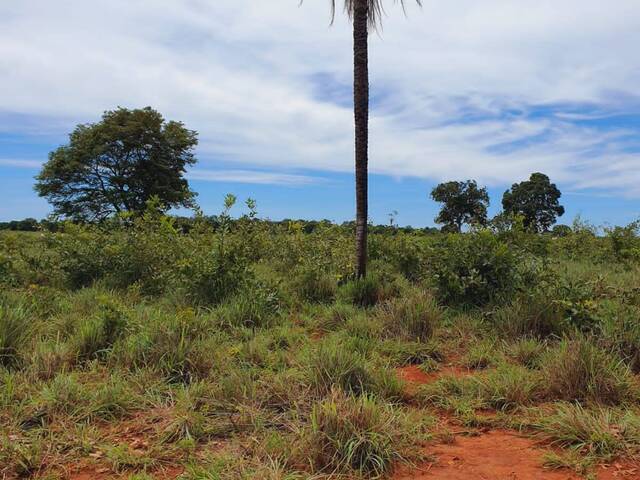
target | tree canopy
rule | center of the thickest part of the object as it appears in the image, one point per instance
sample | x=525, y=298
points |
x=536, y=200
x=118, y=165
x=463, y=203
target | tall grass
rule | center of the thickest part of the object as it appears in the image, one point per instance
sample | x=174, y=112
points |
x=15, y=327
x=578, y=370
x=359, y=434
x=412, y=318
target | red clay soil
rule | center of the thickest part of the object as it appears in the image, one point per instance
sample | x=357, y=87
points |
x=495, y=455
x=623, y=470
x=168, y=473
x=413, y=373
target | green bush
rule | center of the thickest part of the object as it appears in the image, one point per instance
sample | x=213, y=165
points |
x=536, y=316
x=474, y=269
x=366, y=292
x=315, y=286
x=619, y=330
x=256, y=306
x=210, y=277
x=97, y=334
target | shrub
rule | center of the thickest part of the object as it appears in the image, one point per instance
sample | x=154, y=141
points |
x=578, y=370
x=620, y=330
x=254, y=307
x=359, y=434
x=412, y=318
x=315, y=286
x=474, y=269
x=365, y=292
x=535, y=316
x=97, y=334
x=210, y=277
x=15, y=327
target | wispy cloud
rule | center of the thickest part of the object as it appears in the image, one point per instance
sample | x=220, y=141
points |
x=16, y=163
x=252, y=176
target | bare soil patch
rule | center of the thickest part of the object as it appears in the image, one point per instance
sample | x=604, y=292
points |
x=496, y=455
x=413, y=373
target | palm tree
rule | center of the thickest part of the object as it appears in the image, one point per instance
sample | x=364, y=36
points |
x=365, y=16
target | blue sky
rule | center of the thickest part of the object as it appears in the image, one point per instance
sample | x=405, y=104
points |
x=489, y=90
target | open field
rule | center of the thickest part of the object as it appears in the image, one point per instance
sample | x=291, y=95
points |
x=244, y=350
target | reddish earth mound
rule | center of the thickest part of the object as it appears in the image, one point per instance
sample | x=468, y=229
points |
x=492, y=456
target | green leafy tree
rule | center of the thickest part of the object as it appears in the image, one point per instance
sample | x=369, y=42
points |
x=536, y=200
x=365, y=16
x=463, y=203
x=118, y=164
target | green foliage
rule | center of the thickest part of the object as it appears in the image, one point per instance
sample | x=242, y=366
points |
x=463, y=203
x=359, y=434
x=625, y=242
x=474, y=269
x=578, y=370
x=97, y=334
x=185, y=332
x=537, y=200
x=255, y=307
x=602, y=432
x=535, y=315
x=337, y=364
x=619, y=328
x=364, y=292
x=528, y=352
x=118, y=165
x=15, y=326
x=508, y=387
x=413, y=318
x=315, y=286
x=481, y=355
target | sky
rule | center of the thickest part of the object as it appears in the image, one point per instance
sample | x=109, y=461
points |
x=491, y=91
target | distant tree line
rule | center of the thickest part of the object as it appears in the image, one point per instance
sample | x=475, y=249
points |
x=30, y=225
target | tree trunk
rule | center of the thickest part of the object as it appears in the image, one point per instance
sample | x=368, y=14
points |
x=361, y=114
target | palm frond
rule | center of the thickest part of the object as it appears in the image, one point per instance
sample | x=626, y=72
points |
x=376, y=10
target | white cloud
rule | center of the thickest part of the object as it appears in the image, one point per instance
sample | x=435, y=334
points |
x=16, y=163
x=452, y=84
x=252, y=176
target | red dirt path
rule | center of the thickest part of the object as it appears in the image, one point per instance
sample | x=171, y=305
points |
x=493, y=455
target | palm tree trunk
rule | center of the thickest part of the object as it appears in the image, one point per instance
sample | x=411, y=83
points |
x=361, y=113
